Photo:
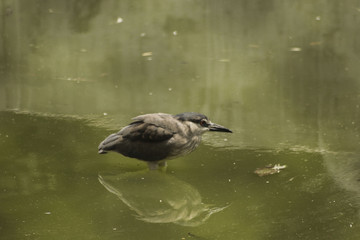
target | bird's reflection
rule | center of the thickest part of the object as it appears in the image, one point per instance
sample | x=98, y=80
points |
x=157, y=197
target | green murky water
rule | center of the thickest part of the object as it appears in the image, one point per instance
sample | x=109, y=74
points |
x=50, y=188
x=282, y=75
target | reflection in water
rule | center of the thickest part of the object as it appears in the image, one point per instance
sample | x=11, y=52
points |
x=159, y=198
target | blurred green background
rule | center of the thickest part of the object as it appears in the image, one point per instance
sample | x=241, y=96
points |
x=283, y=75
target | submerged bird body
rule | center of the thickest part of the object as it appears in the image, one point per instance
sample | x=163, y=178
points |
x=158, y=136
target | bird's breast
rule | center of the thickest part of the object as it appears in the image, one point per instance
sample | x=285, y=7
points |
x=181, y=145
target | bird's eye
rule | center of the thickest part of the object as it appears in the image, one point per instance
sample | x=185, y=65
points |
x=203, y=123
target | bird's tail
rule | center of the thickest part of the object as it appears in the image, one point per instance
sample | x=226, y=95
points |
x=109, y=143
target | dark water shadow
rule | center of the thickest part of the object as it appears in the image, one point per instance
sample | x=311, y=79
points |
x=157, y=197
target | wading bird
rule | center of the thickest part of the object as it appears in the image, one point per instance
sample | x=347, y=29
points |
x=156, y=137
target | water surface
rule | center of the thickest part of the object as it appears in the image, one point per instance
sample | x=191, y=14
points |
x=282, y=75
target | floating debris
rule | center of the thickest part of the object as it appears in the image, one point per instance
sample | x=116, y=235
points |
x=146, y=54
x=74, y=79
x=269, y=170
x=291, y=179
x=119, y=20
x=295, y=49
x=224, y=60
x=315, y=43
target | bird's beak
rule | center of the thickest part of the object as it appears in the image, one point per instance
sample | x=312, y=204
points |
x=218, y=128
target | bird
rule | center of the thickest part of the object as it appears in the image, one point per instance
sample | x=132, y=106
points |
x=157, y=137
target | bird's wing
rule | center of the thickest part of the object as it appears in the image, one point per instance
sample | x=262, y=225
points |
x=149, y=127
x=163, y=120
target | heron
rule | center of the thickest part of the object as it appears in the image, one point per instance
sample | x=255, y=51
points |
x=157, y=137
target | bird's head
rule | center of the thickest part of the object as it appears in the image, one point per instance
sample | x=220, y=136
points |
x=200, y=123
